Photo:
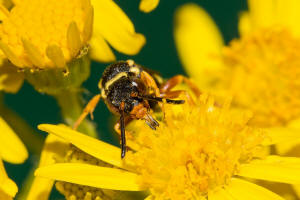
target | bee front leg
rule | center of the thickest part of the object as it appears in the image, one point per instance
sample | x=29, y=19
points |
x=89, y=109
x=176, y=80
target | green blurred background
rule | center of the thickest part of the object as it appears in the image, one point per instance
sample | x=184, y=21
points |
x=159, y=54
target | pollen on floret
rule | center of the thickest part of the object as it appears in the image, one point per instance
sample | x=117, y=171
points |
x=196, y=149
x=44, y=34
x=73, y=191
x=262, y=74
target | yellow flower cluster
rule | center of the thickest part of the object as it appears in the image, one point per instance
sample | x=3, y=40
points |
x=200, y=151
x=211, y=147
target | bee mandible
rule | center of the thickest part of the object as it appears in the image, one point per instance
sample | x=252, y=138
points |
x=131, y=91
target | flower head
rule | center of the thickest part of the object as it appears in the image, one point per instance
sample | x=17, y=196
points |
x=45, y=33
x=262, y=74
x=199, y=151
x=200, y=146
x=259, y=69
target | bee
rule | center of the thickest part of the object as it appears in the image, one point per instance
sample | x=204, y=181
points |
x=131, y=92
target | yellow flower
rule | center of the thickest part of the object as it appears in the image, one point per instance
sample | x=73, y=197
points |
x=44, y=34
x=198, y=151
x=8, y=188
x=260, y=69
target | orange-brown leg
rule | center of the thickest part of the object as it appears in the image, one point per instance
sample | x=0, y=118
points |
x=149, y=81
x=89, y=109
x=178, y=79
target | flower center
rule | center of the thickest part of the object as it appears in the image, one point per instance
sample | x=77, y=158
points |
x=262, y=73
x=32, y=26
x=195, y=149
x=80, y=192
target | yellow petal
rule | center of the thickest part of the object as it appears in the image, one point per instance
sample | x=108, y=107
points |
x=7, y=187
x=273, y=168
x=101, y=150
x=73, y=39
x=88, y=24
x=116, y=28
x=288, y=14
x=244, y=25
x=55, y=54
x=297, y=189
x=11, y=147
x=244, y=190
x=148, y=5
x=10, y=79
x=33, y=53
x=3, y=12
x=41, y=187
x=198, y=41
x=10, y=55
x=100, y=51
x=91, y=175
x=279, y=135
x=262, y=13
x=219, y=194
x=288, y=147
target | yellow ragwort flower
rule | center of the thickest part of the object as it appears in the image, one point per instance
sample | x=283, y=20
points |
x=44, y=34
x=199, y=151
x=260, y=69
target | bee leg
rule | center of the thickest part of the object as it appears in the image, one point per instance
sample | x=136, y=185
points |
x=150, y=82
x=151, y=122
x=89, y=109
x=122, y=122
x=176, y=80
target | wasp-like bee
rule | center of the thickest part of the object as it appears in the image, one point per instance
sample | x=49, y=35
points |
x=131, y=91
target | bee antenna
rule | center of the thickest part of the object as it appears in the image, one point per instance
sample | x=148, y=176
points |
x=160, y=99
x=123, y=139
